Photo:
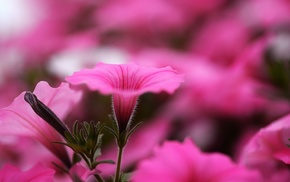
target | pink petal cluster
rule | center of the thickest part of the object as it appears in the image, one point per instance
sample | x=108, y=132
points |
x=184, y=162
x=268, y=151
x=14, y=150
x=126, y=82
x=209, y=89
x=229, y=39
x=265, y=13
x=154, y=17
x=138, y=17
x=38, y=173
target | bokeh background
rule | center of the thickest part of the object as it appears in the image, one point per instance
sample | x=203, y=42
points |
x=234, y=54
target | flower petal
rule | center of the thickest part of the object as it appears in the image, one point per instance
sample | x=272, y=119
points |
x=127, y=79
x=37, y=174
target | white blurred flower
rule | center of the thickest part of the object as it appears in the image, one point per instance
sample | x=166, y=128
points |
x=69, y=61
x=18, y=16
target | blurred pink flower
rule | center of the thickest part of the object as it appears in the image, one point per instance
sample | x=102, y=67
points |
x=126, y=82
x=183, y=162
x=36, y=174
x=9, y=87
x=197, y=7
x=152, y=18
x=228, y=40
x=250, y=60
x=53, y=29
x=230, y=92
x=20, y=119
x=209, y=90
x=141, y=17
x=264, y=13
x=13, y=150
x=268, y=151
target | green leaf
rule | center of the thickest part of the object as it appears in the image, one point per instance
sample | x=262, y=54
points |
x=97, y=154
x=60, y=167
x=115, y=125
x=69, y=137
x=76, y=127
x=96, y=163
x=113, y=132
x=132, y=130
x=76, y=158
x=125, y=177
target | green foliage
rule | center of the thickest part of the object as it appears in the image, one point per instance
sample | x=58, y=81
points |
x=86, y=141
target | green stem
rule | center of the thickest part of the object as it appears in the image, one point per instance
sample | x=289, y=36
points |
x=99, y=178
x=86, y=160
x=118, y=167
x=287, y=76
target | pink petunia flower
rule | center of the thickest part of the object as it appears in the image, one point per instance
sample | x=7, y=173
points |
x=268, y=152
x=126, y=82
x=20, y=119
x=36, y=174
x=183, y=162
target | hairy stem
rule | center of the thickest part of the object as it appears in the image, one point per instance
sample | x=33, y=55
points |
x=118, y=167
x=99, y=178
